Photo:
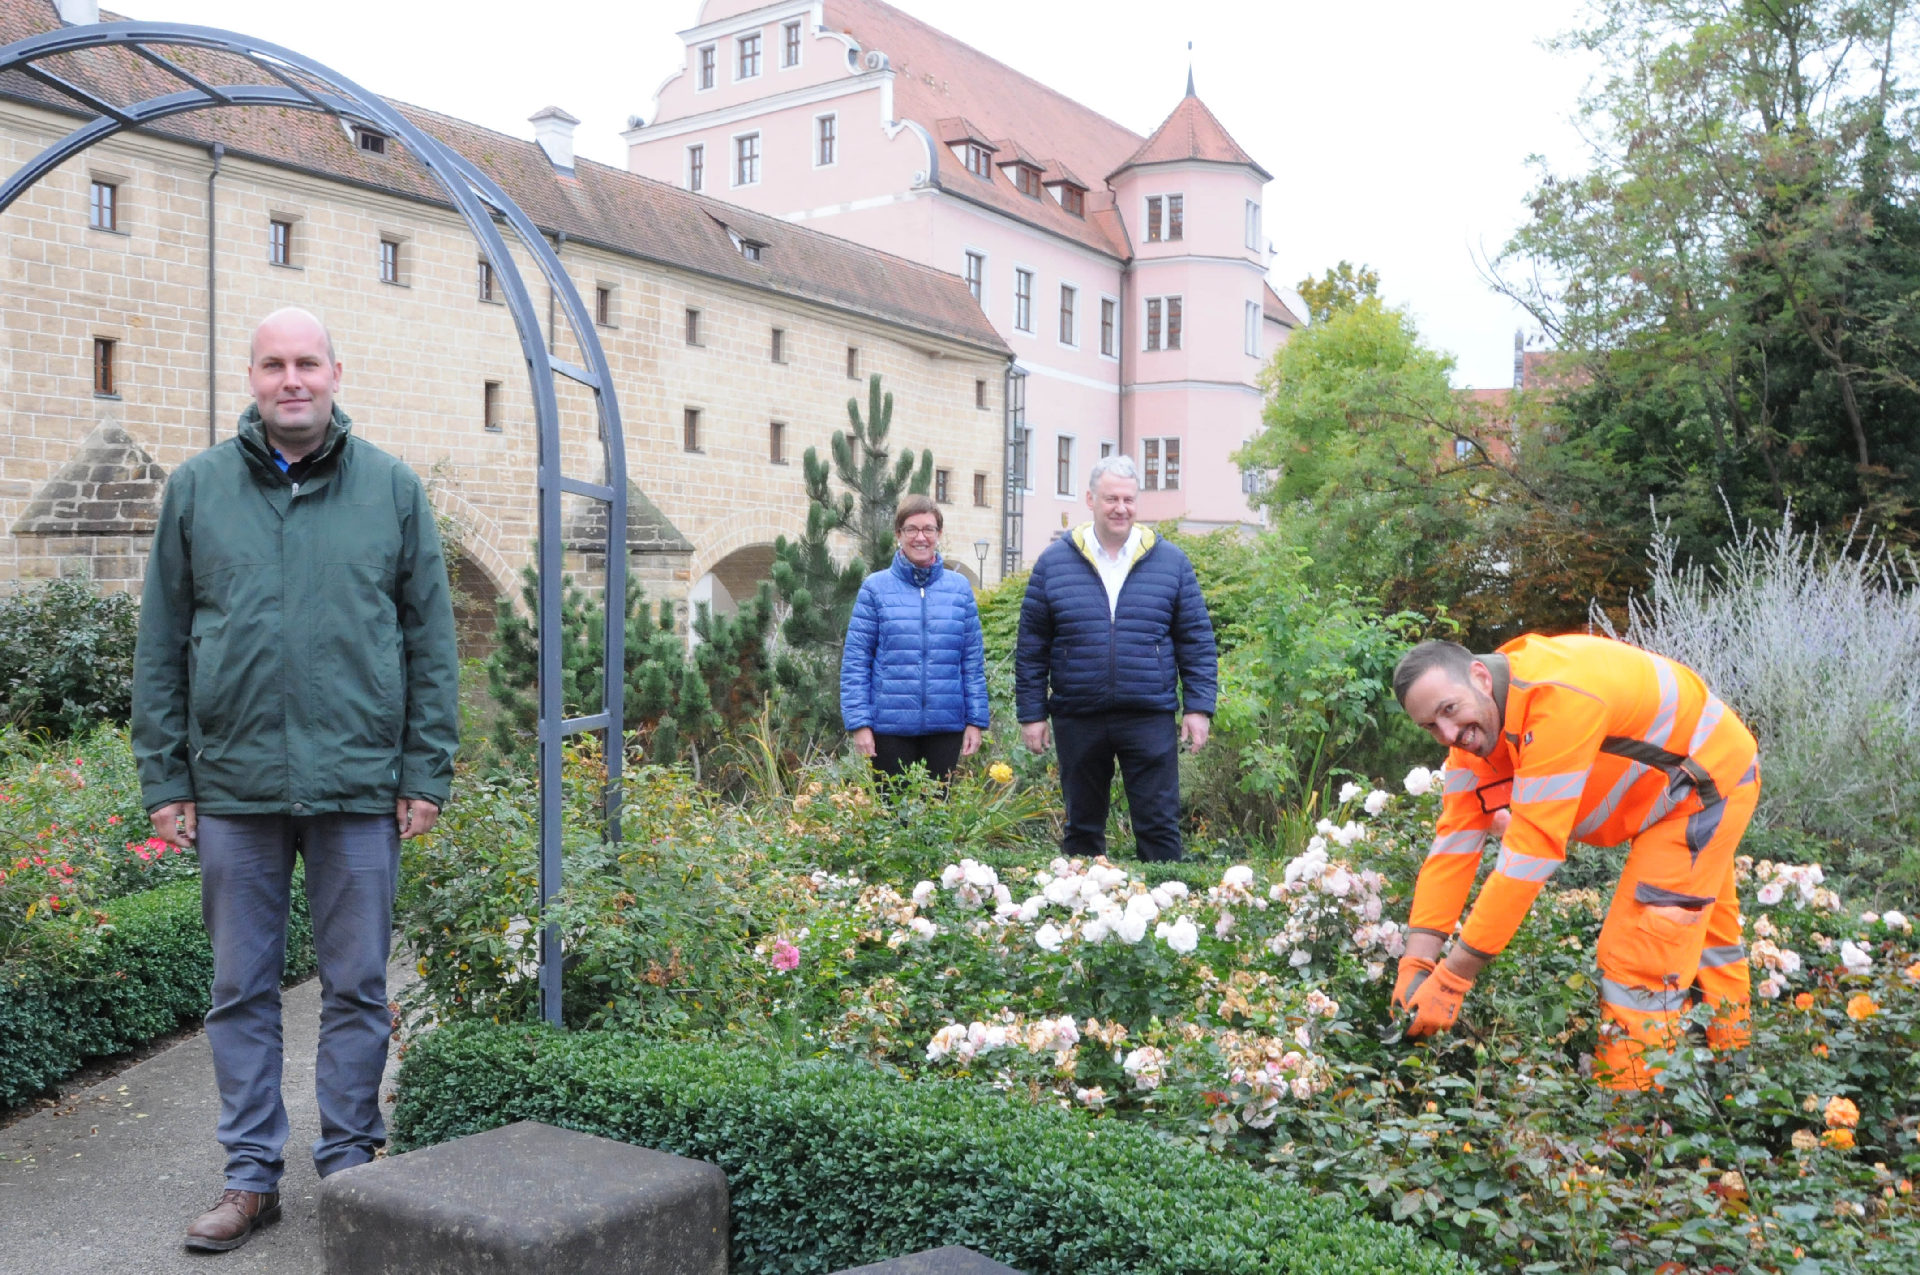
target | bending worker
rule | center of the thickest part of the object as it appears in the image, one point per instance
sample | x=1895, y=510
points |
x=1583, y=738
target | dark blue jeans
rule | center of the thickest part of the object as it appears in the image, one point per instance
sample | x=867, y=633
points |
x=1147, y=746
x=246, y=876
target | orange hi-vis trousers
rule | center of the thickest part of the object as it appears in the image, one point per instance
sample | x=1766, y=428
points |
x=1605, y=743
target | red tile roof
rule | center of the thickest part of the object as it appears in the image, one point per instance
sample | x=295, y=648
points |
x=1278, y=310
x=598, y=205
x=1190, y=133
x=938, y=78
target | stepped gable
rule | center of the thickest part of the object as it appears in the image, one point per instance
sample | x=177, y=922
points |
x=939, y=80
x=595, y=205
x=648, y=530
x=1190, y=133
x=110, y=488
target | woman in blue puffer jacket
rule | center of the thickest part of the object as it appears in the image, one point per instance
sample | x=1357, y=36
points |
x=913, y=676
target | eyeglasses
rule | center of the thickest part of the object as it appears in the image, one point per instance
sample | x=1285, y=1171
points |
x=911, y=532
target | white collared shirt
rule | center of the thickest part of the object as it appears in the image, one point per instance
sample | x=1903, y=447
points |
x=1113, y=571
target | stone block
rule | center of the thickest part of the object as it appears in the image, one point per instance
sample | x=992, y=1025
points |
x=522, y=1199
x=952, y=1260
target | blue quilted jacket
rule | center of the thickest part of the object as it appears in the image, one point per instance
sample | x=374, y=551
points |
x=914, y=663
x=1151, y=652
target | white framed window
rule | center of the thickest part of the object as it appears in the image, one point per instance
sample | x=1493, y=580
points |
x=976, y=276
x=1024, y=457
x=1163, y=323
x=826, y=140
x=280, y=248
x=1159, y=464
x=1253, y=226
x=746, y=159
x=1110, y=327
x=696, y=168
x=103, y=206
x=1106, y=448
x=1069, y=317
x=1023, y=300
x=1253, y=329
x=1063, y=465
x=707, y=63
x=979, y=161
x=789, y=46
x=746, y=62
x=1166, y=218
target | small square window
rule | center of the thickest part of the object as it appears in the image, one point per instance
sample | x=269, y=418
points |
x=603, y=306
x=103, y=206
x=104, y=383
x=777, y=347
x=690, y=430
x=693, y=327
x=942, y=486
x=280, y=242
x=371, y=141
x=490, y=407
x=389, y=261
x=777, y=442
x=486, y=281
x=979, y=490
x=853, y=362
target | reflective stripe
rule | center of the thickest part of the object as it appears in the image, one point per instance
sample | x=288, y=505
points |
x=1460, y=779
x=1715, y=957
x=1467, y=842
x=1659, y=896
x=1549, y=787
x=1669, y=702
x=1664, y=804
x=1608, y=804
x=1525, y=867
x=1709, y=718
x=1645, y=1000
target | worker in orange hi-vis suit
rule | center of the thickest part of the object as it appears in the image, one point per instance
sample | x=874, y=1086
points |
x=1584, y=738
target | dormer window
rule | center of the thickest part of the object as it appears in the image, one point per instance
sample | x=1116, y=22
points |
x=979, y=161
x=1074, y=200
x=748, y=248
x=1026, y=180
x=371, y=141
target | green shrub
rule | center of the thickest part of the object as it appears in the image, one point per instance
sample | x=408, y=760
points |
x=831, y=1165
x=66, y=656
x=90, y=989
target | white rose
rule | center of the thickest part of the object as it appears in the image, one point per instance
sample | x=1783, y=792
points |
x=1223, y=926
x=1181, y=936
x=951, y=875
x=1048, y=937
x=924, y=892
x=1771, y=893
x=1419, y=781
x=979, y=874
x=1143, y=906
x=1031, y=908
x=1302, y=1037
x=1131, y=928
x=1854, y=958
x=1174, y=889
x=1771, y=986
x=1238, y=875
x=924, y=928
x=1376, y=801
x=1095, y=931
x=1301, y=956
x=1348, y=791
x=1896, y=921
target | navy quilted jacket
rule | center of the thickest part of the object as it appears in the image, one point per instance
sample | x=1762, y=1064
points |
x=914, y=663
x=1076, y=658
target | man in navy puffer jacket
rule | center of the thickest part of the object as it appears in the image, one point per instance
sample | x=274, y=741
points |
x=1114, y=642
x=913, y=682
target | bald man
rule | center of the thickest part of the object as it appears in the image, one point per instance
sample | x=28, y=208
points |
x=295, y=696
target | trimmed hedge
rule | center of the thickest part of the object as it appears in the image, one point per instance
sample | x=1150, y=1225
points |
x=833, y=1165
x=104, y=992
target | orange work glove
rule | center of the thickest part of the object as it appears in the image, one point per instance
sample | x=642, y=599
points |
x=1435, y=1004
x=1413, y=972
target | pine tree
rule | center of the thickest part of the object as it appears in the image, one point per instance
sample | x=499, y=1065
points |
x=818, y=591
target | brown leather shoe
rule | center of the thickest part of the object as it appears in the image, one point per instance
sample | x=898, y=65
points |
x=228, y=1224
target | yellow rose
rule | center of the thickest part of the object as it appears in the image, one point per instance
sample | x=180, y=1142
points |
x=1000, y=773
x=1838, y=1139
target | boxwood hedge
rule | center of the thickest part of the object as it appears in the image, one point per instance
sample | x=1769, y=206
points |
x=832, y=1165
x=85, y=994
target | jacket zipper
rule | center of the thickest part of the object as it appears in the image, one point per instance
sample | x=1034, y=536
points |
x=923, y=658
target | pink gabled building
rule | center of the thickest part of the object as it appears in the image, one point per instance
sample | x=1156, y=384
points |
x=1128, y=274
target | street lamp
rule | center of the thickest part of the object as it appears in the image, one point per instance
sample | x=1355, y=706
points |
x=980, y=548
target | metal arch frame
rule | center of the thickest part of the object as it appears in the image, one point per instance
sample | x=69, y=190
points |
x=478, y=200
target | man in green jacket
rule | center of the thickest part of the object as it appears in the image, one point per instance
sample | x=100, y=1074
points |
x=295, y=693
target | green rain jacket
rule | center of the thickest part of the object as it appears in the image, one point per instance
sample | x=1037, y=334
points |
x=296, y=652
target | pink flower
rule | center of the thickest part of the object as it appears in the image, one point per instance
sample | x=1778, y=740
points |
x=785, y=956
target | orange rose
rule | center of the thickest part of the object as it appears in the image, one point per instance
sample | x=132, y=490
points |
x=1838, y=1139
x=1913, y=971
x=1803, y=1001
x=1861, y=1007
x=1821, y=1050
x=1841, y=1113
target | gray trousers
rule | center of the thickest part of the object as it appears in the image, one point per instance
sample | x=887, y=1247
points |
x=246, y=876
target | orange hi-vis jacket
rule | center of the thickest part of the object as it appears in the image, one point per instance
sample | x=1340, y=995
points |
x=1599, y=742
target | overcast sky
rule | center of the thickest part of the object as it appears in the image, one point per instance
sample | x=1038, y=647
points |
x=1397, y=132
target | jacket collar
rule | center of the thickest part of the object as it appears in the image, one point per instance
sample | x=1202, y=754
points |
x=254, y=446
x=916, y=577
x=1083, y=540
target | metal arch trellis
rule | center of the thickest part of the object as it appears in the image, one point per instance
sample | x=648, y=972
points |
x=304, y=84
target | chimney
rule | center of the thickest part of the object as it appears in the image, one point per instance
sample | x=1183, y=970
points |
x=553, y=129
x=78, y=13
x=1519, y=360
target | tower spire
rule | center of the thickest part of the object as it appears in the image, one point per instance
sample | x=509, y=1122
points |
x=1189, y=68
